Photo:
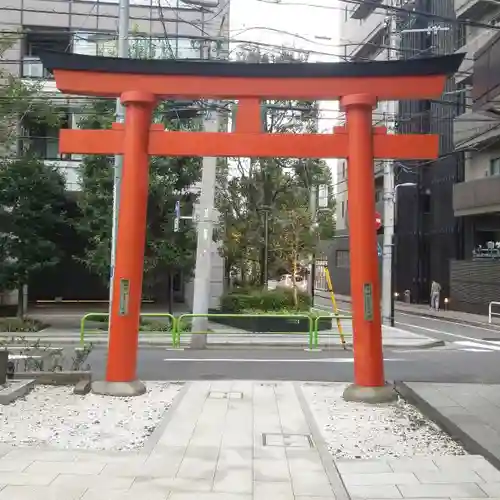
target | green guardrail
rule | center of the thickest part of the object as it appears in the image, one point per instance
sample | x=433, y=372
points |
x=87, y=317
x=215, y=316
x=338, y=318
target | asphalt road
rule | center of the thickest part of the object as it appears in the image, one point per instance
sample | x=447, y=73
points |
x=471, y=354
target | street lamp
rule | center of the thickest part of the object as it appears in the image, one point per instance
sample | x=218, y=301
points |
x=394, y=293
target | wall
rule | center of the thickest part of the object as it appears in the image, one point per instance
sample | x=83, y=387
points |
x=474, y=284
x=477, y=166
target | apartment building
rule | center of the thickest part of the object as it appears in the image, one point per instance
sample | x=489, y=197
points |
x=165, y=29
x=476, y=199
x=427, y=234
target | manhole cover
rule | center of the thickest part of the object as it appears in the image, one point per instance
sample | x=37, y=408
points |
x=225, y=395
x=288, y=440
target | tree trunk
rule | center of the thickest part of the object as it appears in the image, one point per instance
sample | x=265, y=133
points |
x=20, y=301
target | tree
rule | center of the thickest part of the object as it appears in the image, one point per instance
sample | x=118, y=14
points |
x=167, y=252
x=298, y=238
x=259, y=192
x=32, y=216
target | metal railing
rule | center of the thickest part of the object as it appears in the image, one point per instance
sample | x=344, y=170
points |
x=172, y=331
x=331, y=317
x=296, y=317
x=490, y=311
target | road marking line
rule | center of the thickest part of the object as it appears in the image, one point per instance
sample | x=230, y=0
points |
x=245, y=360
x=450, y=322
x=477, y=345
x=456, y=335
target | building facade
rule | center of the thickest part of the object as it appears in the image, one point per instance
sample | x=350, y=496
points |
x=476, y=198
x=427, y=235
x=160, y=29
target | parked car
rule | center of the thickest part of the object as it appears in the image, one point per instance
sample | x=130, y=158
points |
x=286, y=281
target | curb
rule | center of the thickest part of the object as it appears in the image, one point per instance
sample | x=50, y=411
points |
x=469, y=443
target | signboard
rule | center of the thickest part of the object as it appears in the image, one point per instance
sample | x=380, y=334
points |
x=378, y=221
x=124, y=297
x=368, y=302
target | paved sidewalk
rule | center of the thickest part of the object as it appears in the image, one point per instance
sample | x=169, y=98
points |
x=238, y=440
x=468, y=411
x=426, y=311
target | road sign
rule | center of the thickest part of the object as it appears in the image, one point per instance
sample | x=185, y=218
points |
x=379, y=250
x=378, y=221
x=176, y=225
x=178, y=209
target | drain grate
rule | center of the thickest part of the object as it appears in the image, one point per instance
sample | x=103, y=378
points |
x=288, y=440
x=225, y=395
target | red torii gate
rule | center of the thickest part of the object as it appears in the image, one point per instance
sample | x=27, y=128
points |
x=142, y=83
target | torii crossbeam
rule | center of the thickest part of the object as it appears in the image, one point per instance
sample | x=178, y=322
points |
x=142, y=83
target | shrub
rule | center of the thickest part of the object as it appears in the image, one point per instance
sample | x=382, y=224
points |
x=21, y=325
x=239, y=300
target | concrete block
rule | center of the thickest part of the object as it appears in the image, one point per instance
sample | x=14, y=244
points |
x=83, y=387
x=4, y=358
x=14, y=390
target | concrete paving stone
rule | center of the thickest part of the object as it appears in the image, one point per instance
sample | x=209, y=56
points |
x=79, y=468
x=25, y=479
x=456, y=490
x=229, y=480
x=14, y=465
x=176, y=484
x=97, y=494
x=101, y=481
x=462, y=462
x=271, y=470
x=313, y=498
x=154, y=467
x=312, y=484
x=448, y=476
x=362, y=466
x=274, y=491
x=412, y=464
x=489, y=474
x=377, y=478
x=33, y=454
x=235, y=457
x=304, y=466
x=209, y=496
x=270, y=452
x=491, y=489
x=108, y=458
x=197, y=468
x=42, y=492
x=375, y=492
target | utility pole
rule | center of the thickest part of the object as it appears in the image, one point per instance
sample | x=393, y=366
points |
x=387, y=249
x=388, y=219
x=123, y=25
x=313, y=193
x=202, y=275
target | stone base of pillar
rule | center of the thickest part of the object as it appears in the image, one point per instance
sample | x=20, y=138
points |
x=370, y=395
x=118, y=389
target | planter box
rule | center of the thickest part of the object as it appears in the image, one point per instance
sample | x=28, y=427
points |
x=269, y=325
x=4, y=359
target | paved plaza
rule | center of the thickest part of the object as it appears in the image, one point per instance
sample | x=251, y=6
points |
x=238, y=440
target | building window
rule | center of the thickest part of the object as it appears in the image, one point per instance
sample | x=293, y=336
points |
x=495, y=166
x=342, y=258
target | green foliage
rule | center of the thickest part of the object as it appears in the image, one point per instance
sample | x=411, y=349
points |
x=32, y=218
x=272, y=189
x=244, y=299
x=167, y=252
x=21, y=325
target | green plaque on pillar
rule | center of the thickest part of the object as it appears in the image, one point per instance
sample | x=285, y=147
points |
x=368, y=301
x=124, y=297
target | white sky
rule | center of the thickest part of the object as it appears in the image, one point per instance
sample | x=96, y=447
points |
x=296, y=18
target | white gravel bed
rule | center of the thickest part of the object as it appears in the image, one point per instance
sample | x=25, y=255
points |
x=55, y=417
x=361, y=431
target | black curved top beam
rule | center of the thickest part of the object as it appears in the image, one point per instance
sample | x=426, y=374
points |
x=440, y=65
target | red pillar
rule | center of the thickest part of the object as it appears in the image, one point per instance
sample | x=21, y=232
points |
x=365, y=288
x=131, y=237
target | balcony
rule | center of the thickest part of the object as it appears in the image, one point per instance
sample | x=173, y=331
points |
x=471, y=129
x=473, y=9
x=486, y=88
x=363, y=10
x=478, y=196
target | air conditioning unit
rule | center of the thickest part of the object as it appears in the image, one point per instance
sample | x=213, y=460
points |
x=32, y=68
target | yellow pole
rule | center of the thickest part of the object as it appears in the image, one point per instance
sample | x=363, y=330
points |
x=335, y=309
